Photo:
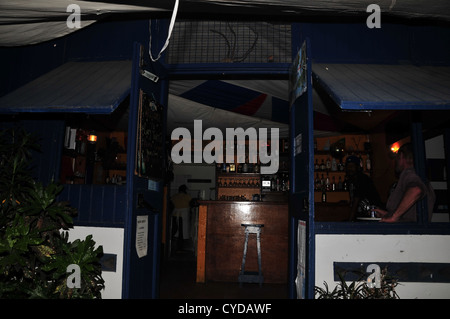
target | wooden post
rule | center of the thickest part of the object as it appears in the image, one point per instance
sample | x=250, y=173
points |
x=201, y=242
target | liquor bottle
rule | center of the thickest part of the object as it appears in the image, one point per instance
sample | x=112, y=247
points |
x=368, y=163
x=345, y=185
x=324, y=196
x=328, y=164
x=333, y=165
x=341, y=166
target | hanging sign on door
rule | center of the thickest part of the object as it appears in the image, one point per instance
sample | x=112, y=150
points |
x=141, y=235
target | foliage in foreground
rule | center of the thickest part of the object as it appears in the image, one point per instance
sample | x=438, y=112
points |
x=360, y=289
x=34, y=249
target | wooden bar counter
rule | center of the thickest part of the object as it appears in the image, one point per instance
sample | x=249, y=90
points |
x=221, y=240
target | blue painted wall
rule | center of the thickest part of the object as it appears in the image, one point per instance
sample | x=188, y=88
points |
x=391, y=44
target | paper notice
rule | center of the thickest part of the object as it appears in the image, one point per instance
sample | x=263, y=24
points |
x=141, y=235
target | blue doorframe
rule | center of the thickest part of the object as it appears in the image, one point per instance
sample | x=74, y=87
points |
x=144, y=195
x=301, y=199
x=207, y=70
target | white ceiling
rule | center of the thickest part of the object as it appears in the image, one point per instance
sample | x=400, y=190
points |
x=24, y=22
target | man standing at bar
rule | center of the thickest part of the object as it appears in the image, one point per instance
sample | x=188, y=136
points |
x=401, y=204
x=182, y=211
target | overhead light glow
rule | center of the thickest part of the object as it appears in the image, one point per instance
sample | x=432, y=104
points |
x=92, y=138
x=395, y=147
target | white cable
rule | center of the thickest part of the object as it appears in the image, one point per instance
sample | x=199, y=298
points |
x=172, y=22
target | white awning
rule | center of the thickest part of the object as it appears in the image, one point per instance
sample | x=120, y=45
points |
x=24, y=22
x=385, y=87
x=85, y=87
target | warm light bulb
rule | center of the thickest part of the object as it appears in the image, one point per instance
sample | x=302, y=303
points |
x=395, y=147
x=92, y=138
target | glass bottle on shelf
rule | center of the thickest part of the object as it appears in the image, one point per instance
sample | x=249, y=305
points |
x=333, y=165
x=341, y=166
x=345, y=184
x=322, y=165
x=328, y=164
x=368, y=163
x=324, y=196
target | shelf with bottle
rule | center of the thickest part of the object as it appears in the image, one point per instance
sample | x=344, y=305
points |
x=278, y=182
x=330, y=184
x=330, y=189
x=328, y=164
x=331, y=197
x=237, y=168
x=237, y=186
x=236, y=180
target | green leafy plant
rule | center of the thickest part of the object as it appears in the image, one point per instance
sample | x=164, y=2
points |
x=359, y=289
x=34, y=249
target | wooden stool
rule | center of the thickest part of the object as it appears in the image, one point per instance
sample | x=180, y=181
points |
x=251, y=277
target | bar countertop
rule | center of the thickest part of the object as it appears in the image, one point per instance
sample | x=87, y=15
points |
x=221, y=239
x=208, y=202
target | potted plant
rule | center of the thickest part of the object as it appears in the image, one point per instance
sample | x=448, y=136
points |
x=35, y=253
x=359, y=289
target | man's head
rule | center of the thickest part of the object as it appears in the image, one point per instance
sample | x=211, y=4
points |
x=182, y=189
x=352, y=165
x=404, y=158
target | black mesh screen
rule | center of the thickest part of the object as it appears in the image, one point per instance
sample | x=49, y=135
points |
x=228, y=41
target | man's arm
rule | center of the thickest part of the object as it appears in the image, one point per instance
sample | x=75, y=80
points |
x=353, y=209
x=411, y=196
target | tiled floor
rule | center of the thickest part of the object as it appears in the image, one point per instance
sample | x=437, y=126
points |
x=178, y=276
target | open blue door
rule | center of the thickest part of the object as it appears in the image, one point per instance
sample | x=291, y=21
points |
x=145, y=176
x=301, y=200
